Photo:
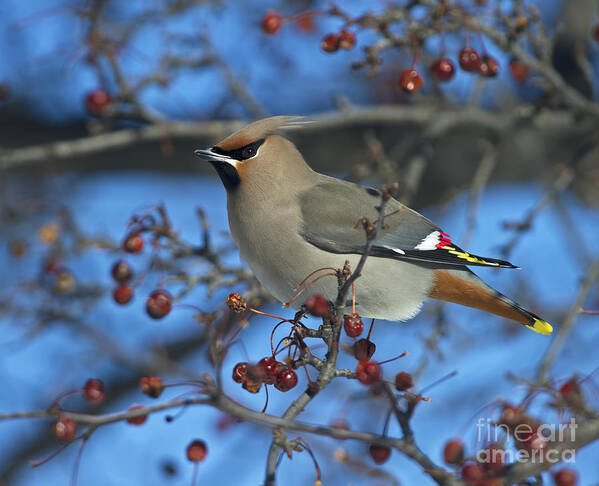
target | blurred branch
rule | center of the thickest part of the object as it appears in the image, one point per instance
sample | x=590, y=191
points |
x=437, y=120
x=568, y=323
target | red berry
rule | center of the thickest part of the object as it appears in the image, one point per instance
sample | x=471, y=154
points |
x=364, y=349
x=133, y=243
x=271, y=23
x=453, y=452
x=139, y=420
x=330, y=43
x=64, y=429
x=123, y=294
x=353, y=325
x=410, y=80
x=159, y=304
x=518, y=71
x=121, y=272
x=196, y=451
x=379, y=453
x=469, y=60
x=443, y=69
x=489, y=67
x=151, y=386
x=403, y=381
x=565, y=477
x=286, y=380
x=97, y=101
x=93, y=391
x=318, y=306
x=368, y=372
x=347, y=39
x=240, y=372
x=473, y=474
x=268, y=368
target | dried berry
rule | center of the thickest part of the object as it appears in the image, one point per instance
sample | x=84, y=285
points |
x=151, y=386
x=403, y=381
x=236, y=302
x=364, y=349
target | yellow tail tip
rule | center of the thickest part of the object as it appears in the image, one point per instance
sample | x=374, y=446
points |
x=540, y=326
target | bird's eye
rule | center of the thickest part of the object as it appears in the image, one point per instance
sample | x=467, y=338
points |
x=248, y=152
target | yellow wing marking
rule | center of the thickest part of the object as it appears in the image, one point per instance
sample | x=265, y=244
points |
x=468, y=257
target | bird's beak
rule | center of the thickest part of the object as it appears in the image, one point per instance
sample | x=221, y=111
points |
x=210, y=156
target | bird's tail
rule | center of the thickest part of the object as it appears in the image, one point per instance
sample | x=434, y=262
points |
x=465, y=288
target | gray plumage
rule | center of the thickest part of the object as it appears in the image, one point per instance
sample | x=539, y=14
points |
x=289, y=221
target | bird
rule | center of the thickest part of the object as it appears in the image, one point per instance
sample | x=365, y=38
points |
x=292, y=223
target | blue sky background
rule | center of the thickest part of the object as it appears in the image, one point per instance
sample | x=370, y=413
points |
x=288, y=73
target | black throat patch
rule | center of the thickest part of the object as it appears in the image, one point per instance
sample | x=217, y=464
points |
x=228, y=175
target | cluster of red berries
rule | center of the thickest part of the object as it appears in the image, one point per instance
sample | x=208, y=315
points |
x=489, y=472
x=470, y=61
x=158, y=304
x=345, y=39
x=268, y=371
x=97, y=102
x=490, y=463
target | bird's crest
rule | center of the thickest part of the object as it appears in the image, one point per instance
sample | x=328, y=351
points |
x=260, y=129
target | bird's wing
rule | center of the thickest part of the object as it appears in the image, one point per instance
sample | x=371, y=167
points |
x=331, y=209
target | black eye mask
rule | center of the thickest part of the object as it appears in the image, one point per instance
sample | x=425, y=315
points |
x=242, y=153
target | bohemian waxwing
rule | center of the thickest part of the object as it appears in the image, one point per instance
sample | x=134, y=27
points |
x=289, y=221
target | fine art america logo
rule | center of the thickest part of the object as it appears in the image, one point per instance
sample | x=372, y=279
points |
x=536, y=443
